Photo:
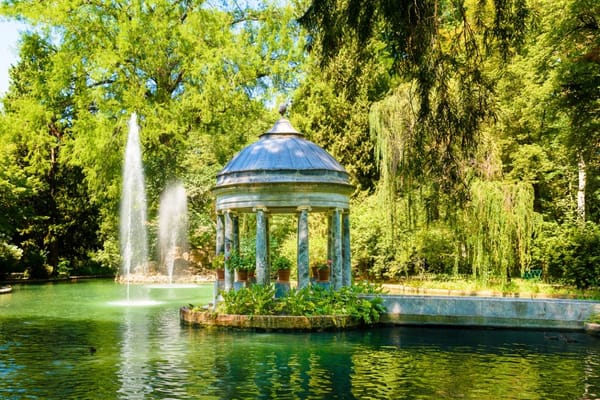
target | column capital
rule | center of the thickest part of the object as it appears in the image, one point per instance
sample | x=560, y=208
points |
x=260, y=208
x=303, y=208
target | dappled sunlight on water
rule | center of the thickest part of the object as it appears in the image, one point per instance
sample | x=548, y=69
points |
x=71, y=342
x=134, y=303
x=173, y=286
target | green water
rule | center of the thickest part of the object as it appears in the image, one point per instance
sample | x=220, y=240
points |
x=142, y=352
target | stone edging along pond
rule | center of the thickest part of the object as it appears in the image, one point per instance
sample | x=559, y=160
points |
x=268, y=322
x=501, y=312
x=491, y=312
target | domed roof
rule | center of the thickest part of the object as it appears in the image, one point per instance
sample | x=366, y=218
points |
x=282, y=155
x=282, y=171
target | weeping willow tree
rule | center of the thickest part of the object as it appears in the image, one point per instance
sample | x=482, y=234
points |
x=420, y=226
x=444, y=59
x=415, y=160
x=444, y=49
x=392, y=123
x=491, y=230
x=500, y=225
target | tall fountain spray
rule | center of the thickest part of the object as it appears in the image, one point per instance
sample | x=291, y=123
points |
x=173, y=224
x=133, y=236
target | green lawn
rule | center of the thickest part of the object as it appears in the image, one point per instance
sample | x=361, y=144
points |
x=517, y=287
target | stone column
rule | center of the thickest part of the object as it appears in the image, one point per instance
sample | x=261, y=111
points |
x=346, y=259
x=303, y=256
x=228, y=250
x=268, y=230
x=263, y=274
x=220, y=249
x=220, y=234
x=235, y=240
x=336, y=275
x=330, y=243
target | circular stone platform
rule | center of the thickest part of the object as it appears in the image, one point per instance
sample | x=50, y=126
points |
x=268, y=322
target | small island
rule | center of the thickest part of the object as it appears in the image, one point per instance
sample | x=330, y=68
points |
x=313, y=308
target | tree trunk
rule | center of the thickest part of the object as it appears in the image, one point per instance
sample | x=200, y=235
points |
x=581, y=189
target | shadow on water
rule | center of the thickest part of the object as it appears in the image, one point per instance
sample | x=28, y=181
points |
x=83, y=347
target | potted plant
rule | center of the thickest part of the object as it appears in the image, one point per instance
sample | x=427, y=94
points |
x=323, y=270
x=250, y=264
x=242, y=265
x=314, y=270
x=218, y=264
x=282, y=265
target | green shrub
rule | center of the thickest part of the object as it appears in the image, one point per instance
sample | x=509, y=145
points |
x=571, y=254
x=581, y=260
x=64, y=268
x=9, y=254
x=90, y=268
x=594, y=319
x=281, y=262
x=241, y=262
x=255, y=300
x=436, y=247
x=308, y=301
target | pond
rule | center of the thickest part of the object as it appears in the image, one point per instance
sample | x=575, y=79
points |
x=83, y=341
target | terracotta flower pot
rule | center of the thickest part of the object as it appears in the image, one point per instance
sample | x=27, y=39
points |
x=283, y=275
x=324, y=274
x=242, y=275
x=220, y=274
x=315, y=272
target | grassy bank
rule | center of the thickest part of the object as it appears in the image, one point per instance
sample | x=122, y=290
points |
x=517, y=287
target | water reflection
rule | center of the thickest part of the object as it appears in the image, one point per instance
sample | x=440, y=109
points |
x=402, y=363
x=135, y=355
x=144, y=353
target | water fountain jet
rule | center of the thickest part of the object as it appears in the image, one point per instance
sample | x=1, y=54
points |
x=133, y=235
x=173, y=224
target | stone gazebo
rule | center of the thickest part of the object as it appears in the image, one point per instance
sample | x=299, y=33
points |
x=284, y=173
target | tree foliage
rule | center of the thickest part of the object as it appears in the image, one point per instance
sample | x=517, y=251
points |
x=500, y=226
x=484, y=100
x=440, y=46
x=332, y=105
x=198, y=74
x=463, y=124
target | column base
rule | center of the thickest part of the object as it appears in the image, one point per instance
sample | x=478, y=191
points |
x=282, y=289
x=323, y=284
x=218, y=286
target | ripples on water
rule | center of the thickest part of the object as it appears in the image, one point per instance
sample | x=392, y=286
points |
x=144, y=353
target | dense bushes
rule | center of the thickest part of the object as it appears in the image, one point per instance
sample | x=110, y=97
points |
x=491, y=236
x=311, y=300
x=570, y=254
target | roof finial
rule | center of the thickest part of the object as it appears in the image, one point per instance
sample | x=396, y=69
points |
x=282, y=109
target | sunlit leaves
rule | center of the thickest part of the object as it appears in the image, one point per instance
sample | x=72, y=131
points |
x=197, y=73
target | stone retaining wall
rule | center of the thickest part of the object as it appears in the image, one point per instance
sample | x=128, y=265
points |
x=426, y=310
x=267, y=322
x=489, y=312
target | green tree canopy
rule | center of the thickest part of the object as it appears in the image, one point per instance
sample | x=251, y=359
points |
x=444, y=47
x=198, y=74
